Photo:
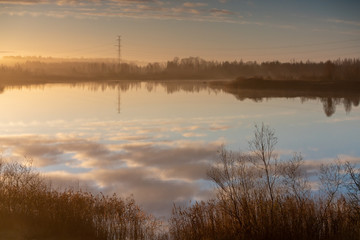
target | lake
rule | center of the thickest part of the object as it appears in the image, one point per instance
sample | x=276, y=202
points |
x=156, y=140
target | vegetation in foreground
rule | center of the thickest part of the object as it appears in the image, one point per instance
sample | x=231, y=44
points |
x=261, y=197
x=31, y=209
x=258, y=197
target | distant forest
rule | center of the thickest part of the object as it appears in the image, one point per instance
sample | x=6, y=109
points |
x=39, y=69
x=332, y=82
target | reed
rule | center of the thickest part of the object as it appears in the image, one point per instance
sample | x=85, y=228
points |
x=260, y=197
x=30, y=209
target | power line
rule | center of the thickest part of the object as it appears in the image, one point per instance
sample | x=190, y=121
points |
x=119, y=100
x=324, y=50
x=303, y=45
x=119, y=59
x=86, y=49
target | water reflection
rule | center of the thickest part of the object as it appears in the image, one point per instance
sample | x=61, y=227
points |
x=329, y=100
x=161, y=144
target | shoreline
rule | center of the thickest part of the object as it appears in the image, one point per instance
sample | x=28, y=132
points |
x=255, y=87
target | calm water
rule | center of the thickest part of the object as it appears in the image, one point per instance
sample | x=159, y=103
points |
x=155, y=141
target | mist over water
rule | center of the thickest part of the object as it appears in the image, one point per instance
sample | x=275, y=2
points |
x=179, y=119
x=155, y=140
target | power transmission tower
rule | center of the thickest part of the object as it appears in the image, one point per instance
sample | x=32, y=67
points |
x=119, y=99
x=119, y=49
x=119, y=62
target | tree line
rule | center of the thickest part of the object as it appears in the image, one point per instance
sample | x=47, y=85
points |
x=185, y=68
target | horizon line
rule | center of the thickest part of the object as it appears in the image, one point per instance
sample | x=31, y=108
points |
x=39, y=57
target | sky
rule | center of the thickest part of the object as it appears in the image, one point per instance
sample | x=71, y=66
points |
x=159, y=30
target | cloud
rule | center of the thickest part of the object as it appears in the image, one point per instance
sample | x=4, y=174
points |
x=151, y=192
x=336, y=120
x=156, y=173
x=192, y=134
x=187, y=128
x=135, y=9
x=350, y=32
x=221, y=12
x=142, y=9
x=217, y=127
x=23, y=2
x=49, y=151
x=192, y=4
x=340, y=21
x=182, y=157
x=62, y=180
x=312, y=166
x=71, y=2
x=186, y=160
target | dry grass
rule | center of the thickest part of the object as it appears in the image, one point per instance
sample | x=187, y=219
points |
x=260, y=197
x=29, y=209
x=211, y=220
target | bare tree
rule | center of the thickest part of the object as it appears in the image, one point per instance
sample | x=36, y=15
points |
x=241, y=178
x=353, y=186
x=235, y=180
x=262, y=155
x=331, y=178
x=294, y=179
x=261, y=197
